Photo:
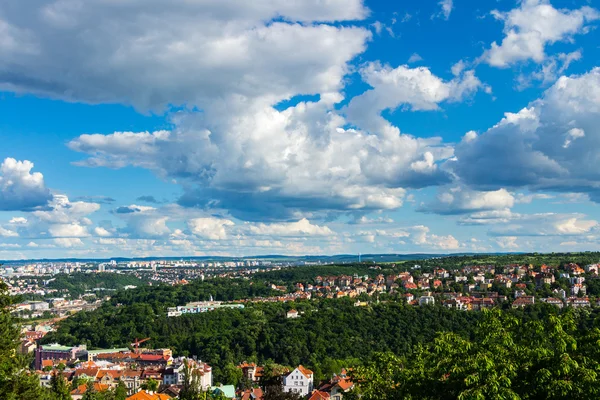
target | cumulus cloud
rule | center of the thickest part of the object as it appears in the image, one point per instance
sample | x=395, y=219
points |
x=416, y=89
x=460, y=200
x=546, y=224
x=20, y=189
x=421, y=236
x=60, y=218
x=529, y=28
x=527, y=149
x=266, y=163
x=302, y=227
x=69, y=242
x=190, y=52
x=210, y=228
x=7, y=233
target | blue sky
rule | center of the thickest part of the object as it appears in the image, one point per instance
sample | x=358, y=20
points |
x=239, y=128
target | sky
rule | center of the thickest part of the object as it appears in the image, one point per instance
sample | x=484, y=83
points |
x=227, y=127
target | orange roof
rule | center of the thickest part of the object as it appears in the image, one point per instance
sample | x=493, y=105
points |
x=305, y=371
x=111, y=372
x=91, y=372
x=143, y=395
x=345, y=384
x=47, y=363
x=247, y=395
x=318, y=395
x=81, y=389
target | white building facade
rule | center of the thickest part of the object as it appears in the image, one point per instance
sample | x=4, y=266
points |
x=299, y=381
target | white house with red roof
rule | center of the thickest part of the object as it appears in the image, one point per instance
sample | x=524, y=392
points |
x=299, y=381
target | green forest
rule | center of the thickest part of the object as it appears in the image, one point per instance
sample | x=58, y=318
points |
x=78, y=283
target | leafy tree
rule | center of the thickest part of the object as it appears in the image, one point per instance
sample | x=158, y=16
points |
x=120, y=392
x=59, y=386
x=507, y=358
x=150, y=385
x=16, y=382
x=90, y=392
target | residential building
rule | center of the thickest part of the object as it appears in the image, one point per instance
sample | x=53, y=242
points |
x=523, y=301
x=299, y=381
x=426, y=300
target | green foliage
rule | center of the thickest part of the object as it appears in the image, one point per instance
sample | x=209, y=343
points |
x=76, y=284
x=329, y=331
x=16, y=382
x=59, y=386
x=507, y=358
x=150, y=385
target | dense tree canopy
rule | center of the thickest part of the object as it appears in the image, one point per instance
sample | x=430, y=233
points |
x=506, y=358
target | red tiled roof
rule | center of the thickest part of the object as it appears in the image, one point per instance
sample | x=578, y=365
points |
x=318, y=395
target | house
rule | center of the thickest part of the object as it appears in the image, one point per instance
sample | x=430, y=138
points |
x=523, y=301
x=252, y=394
x=251, y=371
x=426, y=300
x=77, y=393
x=109, y=377
x=577, y=302
x=133, y=380
x=176, y=374
x=342, y=386
x=293, y=314
x=299, y=381
x=144, y=395
x=554, y=301
x=227, y=391
x=318, y=395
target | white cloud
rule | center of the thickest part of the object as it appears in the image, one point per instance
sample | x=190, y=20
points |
x=99, y=231
x=364, y=220
x=460, y=200
x=447, y=6
x=7, y=233
x=20, y=189
x=417, y=89
x=258, y=162
x=210, y=228
x=546, y=224
x=489, y=217
x=528, y=198
x=420, y=236
x=68, y=231
x=531, y=27
x=302, y=227
x=414, y=58
x=69, y=242
x=18, y=220
x=571, y=135
x=191, y=53
x=508, y=243
x=527, y=149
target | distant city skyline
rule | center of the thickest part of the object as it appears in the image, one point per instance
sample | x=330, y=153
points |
x=235, y=128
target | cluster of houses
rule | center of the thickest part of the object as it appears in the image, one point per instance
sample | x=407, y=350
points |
x=107, y=368
x=468, y=288
x=135, y=369
x=299, y=381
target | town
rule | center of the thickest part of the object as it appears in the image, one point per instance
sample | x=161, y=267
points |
x=146, y=373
